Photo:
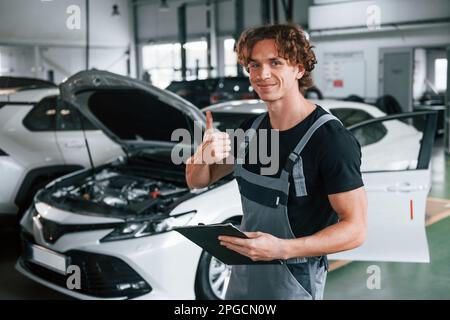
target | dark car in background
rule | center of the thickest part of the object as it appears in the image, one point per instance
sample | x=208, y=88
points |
x=205, y=92
x=13, y=84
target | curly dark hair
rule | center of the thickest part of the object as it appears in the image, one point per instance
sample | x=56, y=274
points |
x=291, y=43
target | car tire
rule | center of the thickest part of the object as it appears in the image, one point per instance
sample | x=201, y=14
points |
x=203, y=287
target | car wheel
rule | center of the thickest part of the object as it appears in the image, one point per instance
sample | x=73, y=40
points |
x=213, y=275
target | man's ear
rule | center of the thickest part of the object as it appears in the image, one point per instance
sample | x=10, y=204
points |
x=300, y=71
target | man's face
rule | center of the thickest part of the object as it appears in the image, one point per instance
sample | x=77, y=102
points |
x=272, y=76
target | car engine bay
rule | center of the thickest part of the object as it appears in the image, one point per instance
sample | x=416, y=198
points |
x=110, y=188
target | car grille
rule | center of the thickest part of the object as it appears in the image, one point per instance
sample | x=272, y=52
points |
x=102, y=276
x=52, y=231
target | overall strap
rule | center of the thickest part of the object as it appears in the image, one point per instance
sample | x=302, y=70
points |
x=316, y=125
x=294, y=163
x=249, y=135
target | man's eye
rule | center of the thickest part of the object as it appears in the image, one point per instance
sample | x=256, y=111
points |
x=253, y=65
x=276, y=63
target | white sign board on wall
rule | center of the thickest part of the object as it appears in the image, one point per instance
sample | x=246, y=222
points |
x=344, y=74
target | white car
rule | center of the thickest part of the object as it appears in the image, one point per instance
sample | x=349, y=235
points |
x=115, y=222
x=41, y=140
x=378, y=141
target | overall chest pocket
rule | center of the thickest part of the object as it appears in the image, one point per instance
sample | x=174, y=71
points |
x=263, y=195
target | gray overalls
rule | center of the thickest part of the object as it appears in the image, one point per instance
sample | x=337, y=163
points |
x=264, y=203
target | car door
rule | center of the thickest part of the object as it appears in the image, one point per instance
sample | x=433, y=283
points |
x=36, y=139
x=71, y=139
x=396, y=153
x=28, y=136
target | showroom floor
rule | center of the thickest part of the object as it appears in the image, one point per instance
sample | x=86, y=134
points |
x=440, y=172
x=345, y=282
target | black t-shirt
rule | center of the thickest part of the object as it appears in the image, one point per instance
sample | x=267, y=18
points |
x=331, y=164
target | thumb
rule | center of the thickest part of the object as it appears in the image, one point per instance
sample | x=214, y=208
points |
x=209, y=120
x=252, y=235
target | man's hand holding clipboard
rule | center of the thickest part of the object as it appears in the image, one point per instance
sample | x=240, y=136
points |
x=221, y=240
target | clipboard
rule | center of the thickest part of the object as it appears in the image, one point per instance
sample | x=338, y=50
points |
x=206, y=236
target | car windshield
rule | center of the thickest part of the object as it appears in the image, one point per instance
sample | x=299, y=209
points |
x=194, y=85
x=350, y=116
x=365, y=135
x=179, y=85
x=230, y=120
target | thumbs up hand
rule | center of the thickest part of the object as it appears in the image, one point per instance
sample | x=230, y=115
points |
x=216, y=145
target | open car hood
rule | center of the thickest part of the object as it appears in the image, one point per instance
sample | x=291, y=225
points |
x=120, y=107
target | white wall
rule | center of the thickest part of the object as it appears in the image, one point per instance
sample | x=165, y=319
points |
x=369, y=44
x=360, y=13
x=420, y=72
x=44, y=22
x=348, y=26
x=431, y=56
x=110, y=59
x=154, y=24
x=42, y=27
x=17, y=60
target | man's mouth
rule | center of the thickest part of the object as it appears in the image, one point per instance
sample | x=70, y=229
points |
x=266, y=85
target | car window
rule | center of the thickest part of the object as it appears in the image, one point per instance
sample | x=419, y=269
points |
x=70, y=119
x=370, y=134
x=350, y=116
x=175, y=86
x=365, y=135
x=137, y=115
x=43, y=116
x=384, y=154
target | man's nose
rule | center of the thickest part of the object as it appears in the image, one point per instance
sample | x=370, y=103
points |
x=264, y=72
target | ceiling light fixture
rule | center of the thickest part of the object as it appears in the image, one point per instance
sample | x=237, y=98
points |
x=115, y=10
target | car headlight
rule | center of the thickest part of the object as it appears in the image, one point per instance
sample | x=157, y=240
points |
x=26, y=222
x=140, y=229
x=30, y=213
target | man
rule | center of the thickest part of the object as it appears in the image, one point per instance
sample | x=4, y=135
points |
x=315, y=204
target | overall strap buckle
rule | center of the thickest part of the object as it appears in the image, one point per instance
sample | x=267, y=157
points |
x=295, y=165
